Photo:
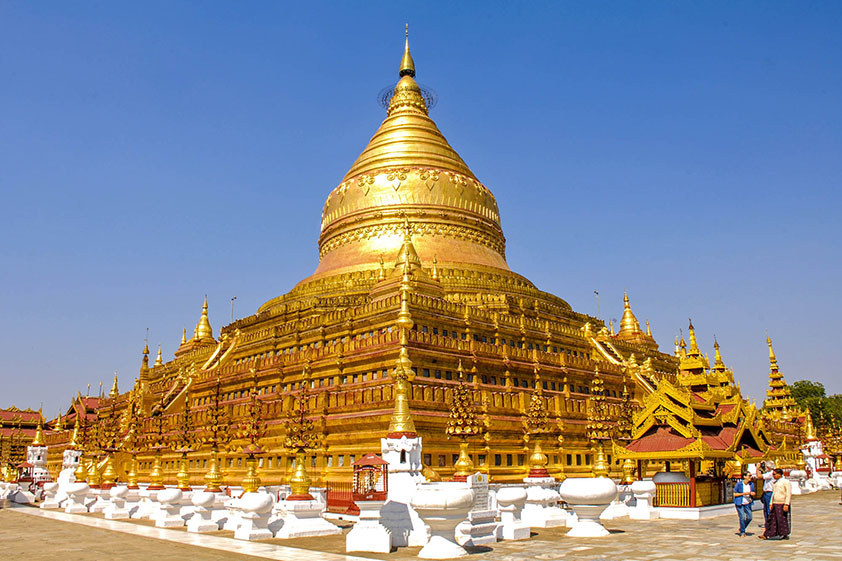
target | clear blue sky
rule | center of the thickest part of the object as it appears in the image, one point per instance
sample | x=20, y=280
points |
x=155, y=152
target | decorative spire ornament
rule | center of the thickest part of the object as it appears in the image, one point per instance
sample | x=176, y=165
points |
x=537, y=424
x=183, y=442
x=463, y=424
x=598, y=427
x=407, y=64
x=300, y=438
x=115, y=391
x=159, y=360
x=217, y=434
x=253, y=430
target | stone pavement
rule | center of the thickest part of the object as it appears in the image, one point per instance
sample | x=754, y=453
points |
x=817, y=536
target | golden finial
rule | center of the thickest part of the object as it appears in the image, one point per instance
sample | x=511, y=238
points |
x=75, y=438
x=407, y=64
x=717, y=364
x=648, y=331
x=160, y=360
x=435, y=268
x=101, y=393
x=401, y=422
x=382, y=273
x=809, y=430
x=114, y=390
x=628, y=323
x=611, y=323
x=39, y=435
x=183, y=335
x=203, y=329
x=773, y=361
x=694, y=347
x=60, y=423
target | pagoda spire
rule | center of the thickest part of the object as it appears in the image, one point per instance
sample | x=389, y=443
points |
x=39, y=434
x=144, y=368
x=401, y=422
x=159, y=361
x=779, y=401
x=75, y=437
x=115, y=391
x=809, y=430
x=629, y=323
x=407, y=64
x=718, y=364
x=694, y=346
x=203, y=331
x=183, y=335
x=773, y=361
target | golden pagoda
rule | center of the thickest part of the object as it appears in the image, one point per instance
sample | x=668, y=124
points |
x=783, y=419
x=412, y=280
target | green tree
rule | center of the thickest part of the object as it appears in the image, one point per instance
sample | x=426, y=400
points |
x=805, y=389
x=812, y=396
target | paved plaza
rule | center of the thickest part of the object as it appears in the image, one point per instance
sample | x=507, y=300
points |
x=25, y=533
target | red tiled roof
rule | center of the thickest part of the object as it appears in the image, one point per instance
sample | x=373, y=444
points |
x=27, y=433
x=664, y=439
x=25, y=416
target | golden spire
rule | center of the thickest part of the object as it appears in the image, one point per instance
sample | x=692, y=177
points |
x=144, y=366
x=39, y=435
x=694, y=347
x=76, y=436
x=717, y=359
x=648, y=331
x=435, y=275
x=809, y=430
x=160, y=360
x=773, y=361
x=382, y=272
x=114, y=389
x=407, y=255
x=60, y=423
x=183, y=335
x=203, y=331
x=401, y=422
x=629, y=323
x=611, y=323
x=407, y=64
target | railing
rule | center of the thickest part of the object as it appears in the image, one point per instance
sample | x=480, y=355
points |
x=707, y=493
x=672, y=494
x=340, y=498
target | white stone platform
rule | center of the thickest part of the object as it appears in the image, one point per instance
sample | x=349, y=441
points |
x=256, y=549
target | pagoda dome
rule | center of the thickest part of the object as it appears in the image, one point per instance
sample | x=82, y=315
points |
x=409, y=173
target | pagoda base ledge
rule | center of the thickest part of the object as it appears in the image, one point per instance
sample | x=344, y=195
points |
x=302, y=519
x=643, y=514
x=479, y=529
x=694, y=513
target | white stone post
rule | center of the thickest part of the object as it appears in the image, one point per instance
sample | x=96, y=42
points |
x=510, y=501
x=368, y=534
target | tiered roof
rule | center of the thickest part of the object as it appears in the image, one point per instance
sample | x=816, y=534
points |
x=779, y=404
x=702, y=416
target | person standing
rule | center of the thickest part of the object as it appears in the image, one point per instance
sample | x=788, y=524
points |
x=778, y=526
x=768, y=485
x=743, y=491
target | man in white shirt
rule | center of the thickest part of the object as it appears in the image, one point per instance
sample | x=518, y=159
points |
x=768, y=485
